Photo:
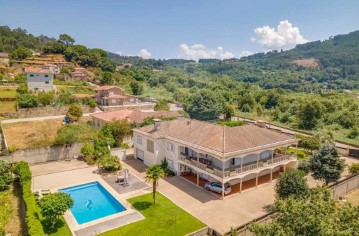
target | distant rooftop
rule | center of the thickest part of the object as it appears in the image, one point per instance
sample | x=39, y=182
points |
x=38, y=70
x=107, y=87
x=135, y=115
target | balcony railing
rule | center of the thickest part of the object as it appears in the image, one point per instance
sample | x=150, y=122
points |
x=235, y=171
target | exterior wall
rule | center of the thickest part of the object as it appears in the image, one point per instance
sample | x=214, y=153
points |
x=38, y=81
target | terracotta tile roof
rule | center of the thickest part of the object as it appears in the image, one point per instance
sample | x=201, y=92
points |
x=38, y=70
x=79, y=69
x=135, y=116
x=107, y=87
x=220, y=140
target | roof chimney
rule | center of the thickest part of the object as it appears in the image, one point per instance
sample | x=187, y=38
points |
x=157, y=123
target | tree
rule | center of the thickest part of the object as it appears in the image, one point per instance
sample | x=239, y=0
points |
x=55, y=205
x=205, y=105
x=5, y=176
x=20, y=53
x=292, y=183
x=75, y=111
x=27, y=100
x=107, y=78
x=309, y=143
x=354, y=168
x=162, y=105
x=66, y=39
x=316, y=215
x=115, y=131
x=54, y=47
x=136, y=87
x=109, y=163
x=326, y=164
x=228, y=112
x=46, y=98
x=309, y=114
x=22, y=89
x=154, y=174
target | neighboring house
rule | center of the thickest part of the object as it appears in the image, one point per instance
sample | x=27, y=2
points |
x=133, y=116
x=54, y=68
x=39, y=79
x=243, y=156
x=4, y=58
x=113, y=96
x=78, y=73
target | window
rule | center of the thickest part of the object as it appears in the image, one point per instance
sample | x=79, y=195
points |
x=139, y=139
x=150, y=146
x=47, y=82
x=46, y=76
x=31, y=75
x=170, y=147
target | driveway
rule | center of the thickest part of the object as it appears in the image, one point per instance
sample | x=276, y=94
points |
x=219, y=214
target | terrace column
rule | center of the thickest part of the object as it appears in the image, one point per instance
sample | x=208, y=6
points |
x=197, y=178
x=240, y=186
x=242, y=160
x=271, y=175
x=257, y=180
x=222, y=179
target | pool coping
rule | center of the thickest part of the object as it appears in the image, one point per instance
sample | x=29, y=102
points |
x=74, y=226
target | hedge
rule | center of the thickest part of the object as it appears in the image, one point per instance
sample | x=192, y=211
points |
x=34, y=226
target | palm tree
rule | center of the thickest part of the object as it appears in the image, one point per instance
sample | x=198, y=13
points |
x=153, y=174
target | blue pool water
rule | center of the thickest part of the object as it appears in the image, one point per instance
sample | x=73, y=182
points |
x=92, y=201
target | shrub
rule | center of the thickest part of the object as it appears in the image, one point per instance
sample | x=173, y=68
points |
x=90, y=160
x=75, y=110
x=162, y=105
x=231, y=123
x=109, y=163
x=5, y=176
x=166, y=169
x=354, y=168
x=33, y=222
x=72, y=133
x=27, y=100
x=124, y=145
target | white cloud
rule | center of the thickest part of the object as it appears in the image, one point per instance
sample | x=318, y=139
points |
x=284, y=37
x=199, y=51
x=119, y=53
x=144, y=54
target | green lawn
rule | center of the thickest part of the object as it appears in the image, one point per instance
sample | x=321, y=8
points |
x=7, y=106
x=60, y=228
x=301, y=154
x=163, y=218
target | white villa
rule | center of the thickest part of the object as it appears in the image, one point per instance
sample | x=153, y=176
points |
x=244, y=156
x=39, y=79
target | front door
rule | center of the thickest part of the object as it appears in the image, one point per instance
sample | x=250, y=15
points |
x=140, y=154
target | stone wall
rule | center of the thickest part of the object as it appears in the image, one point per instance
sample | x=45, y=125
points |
x=44, y=154
x=42, y=111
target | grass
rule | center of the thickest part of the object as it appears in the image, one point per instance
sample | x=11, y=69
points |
x=353, y=197
x=163, y=218
x=301, y=154
x=157, y=92
x=7, y=106
x=30, y=134
x=70, y=83
x=10, y=220
x=41, y=133
x=8, y=92
x=60, y=228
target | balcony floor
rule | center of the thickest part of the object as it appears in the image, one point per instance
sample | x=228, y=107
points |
x=235, y=187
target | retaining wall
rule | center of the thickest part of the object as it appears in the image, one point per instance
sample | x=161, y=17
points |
x=44, y=154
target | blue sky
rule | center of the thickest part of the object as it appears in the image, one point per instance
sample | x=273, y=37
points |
x=184, y=28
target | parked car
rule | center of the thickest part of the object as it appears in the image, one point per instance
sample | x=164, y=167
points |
x=217, y=187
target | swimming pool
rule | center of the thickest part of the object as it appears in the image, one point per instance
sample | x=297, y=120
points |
x=91, y=202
